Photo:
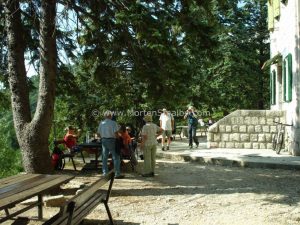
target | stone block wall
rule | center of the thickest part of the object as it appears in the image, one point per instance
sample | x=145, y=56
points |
x=252, y=129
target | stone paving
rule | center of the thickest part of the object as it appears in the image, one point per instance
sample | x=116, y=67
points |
x=260, y=158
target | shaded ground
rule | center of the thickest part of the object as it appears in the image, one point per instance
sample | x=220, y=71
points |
x=188, y=193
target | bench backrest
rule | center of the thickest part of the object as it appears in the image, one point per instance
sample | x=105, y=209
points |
x=88, y=192
x=75, y=209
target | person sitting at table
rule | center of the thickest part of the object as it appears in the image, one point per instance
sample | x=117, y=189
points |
x=130, y=131
x=128, y=150
x=132, y=134
x=70, y=139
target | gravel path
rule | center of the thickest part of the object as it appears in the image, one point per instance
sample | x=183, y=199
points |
x=186, y=193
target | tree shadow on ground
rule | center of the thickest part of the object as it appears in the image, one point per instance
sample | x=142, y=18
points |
x=106, y=222
x=180, y=178
x=186, y=178
x=21, y=221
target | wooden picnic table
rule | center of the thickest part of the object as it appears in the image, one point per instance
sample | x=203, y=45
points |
x=16, y=189
x=92, y=147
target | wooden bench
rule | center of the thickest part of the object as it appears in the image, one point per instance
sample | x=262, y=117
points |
x=78, y=207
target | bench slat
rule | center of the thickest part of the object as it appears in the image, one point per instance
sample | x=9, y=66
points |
x=21, y=186
x=89, y=191
x=85, y=209
x=15, y=179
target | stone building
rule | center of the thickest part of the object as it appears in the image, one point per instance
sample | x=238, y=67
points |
x=254, y=128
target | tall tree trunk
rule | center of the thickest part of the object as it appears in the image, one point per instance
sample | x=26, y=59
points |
x=32, y=133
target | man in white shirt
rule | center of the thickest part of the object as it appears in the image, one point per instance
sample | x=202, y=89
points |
x=167, y=125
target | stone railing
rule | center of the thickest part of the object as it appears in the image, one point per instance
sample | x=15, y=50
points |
x=245, y=129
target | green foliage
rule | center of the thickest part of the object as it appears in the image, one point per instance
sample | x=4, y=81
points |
x=10, y=156
x=147, y=55
x=10, y=161
x=232, y=77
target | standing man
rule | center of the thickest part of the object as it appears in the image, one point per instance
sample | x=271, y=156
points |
x=108, y=130
x=192, y=126
x=167, y=125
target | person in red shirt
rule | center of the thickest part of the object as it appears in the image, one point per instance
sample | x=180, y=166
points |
x=126, y=150
x=70, y=139
x=126, y=140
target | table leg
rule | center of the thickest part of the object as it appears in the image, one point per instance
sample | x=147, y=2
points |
x=40, y=207
x=82, y=156
x=6, y=212
x=96, y=159
x=180, y=133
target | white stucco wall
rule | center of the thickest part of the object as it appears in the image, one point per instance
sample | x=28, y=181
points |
x=285, y=40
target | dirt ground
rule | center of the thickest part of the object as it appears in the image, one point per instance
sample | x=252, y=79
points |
x=187, y=193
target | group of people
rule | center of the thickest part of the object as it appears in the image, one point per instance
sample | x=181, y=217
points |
x=117, y=140
x=110, y=133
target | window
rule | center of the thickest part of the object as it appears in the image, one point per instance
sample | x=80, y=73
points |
x=276, y=8
x=270, y=16
x=273, y=12
x=273, y=87
x=287, y=78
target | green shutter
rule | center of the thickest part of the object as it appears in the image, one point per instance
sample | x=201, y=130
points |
x=287, y=78
x=273, y=87
x=276, y=6
x=284, y=77
x=290, y=78
x=270, y=15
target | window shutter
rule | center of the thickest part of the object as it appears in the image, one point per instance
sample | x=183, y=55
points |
x=276, y=6
x=270, y=15
x=273, y=87
x=290, y=77
x=284, y=77
x=287, y=78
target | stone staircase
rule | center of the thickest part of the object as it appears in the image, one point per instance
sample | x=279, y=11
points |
x=250, y=129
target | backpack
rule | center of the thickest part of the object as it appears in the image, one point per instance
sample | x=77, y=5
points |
x=193, y=121
x=57, y=159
